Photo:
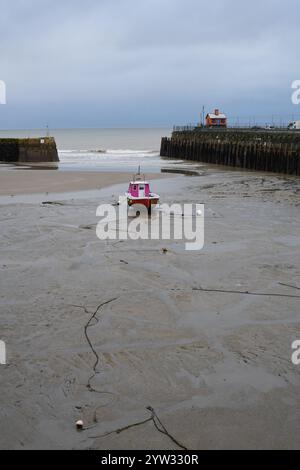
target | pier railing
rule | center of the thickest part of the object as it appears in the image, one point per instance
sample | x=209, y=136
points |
x=199, y=128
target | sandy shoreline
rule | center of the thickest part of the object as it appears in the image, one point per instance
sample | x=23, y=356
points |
x=18, y=181
x=215, y=365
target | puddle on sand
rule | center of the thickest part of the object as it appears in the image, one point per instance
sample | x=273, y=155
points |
x=114, y=191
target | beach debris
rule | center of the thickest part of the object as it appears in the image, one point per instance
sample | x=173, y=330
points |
x=49, y=203
x=79, y=425
x=87, y=227
x=164, y=250
x=123, y=261
x=199, y=212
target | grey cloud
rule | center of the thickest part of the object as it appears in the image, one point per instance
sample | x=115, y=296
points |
x=146, y=62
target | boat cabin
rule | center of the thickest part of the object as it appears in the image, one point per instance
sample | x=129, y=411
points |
x=139, y=189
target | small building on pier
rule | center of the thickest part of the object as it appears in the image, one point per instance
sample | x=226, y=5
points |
x=216, y=119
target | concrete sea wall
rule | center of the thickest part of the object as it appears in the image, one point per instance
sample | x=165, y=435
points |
x=37, y=150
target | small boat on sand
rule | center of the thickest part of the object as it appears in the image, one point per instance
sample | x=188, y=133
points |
x=139, y=193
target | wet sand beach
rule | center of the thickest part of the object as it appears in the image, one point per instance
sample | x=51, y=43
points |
x=127, y=334
x=28, y=181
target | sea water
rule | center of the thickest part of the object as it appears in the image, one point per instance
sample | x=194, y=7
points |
x=105, y=149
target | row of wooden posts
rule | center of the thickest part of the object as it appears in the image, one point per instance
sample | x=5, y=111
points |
x=252, y=155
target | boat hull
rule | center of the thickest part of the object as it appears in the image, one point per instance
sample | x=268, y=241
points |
x=147, y=202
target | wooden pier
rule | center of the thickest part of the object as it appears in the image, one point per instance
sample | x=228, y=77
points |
x=276, y=151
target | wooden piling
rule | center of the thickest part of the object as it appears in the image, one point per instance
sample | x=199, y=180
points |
x=273, y=151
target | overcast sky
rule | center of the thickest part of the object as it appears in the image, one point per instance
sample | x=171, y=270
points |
x=139, y=63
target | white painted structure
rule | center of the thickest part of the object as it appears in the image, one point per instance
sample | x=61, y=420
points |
x=294, y=125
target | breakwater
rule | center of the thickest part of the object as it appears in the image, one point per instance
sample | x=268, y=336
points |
x=35, y=150
x=261, y=150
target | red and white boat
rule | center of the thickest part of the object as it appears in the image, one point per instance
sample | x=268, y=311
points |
x=139, y=193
